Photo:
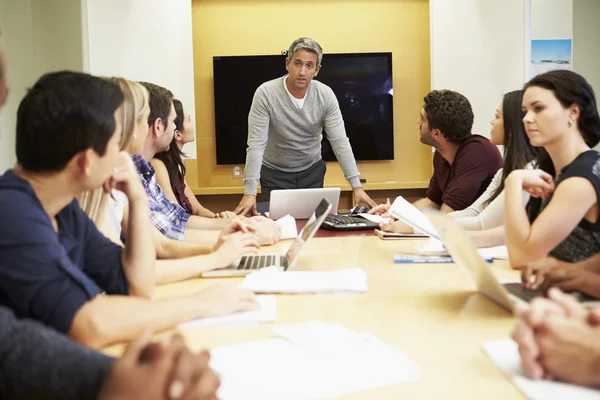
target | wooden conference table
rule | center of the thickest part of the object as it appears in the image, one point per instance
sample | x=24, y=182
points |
x=429, y=310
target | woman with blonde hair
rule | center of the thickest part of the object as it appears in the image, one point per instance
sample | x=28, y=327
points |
x=108, y=207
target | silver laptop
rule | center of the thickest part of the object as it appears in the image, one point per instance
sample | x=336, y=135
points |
x=465, y=254
x=301, y=203
x=254, y=262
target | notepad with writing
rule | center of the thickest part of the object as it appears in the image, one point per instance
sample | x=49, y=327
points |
x=505, y=354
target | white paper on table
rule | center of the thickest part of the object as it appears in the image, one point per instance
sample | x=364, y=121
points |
x=289, y=230
x=411, y=215
x=434, y=247
x=497, y=252
x=505, y=354
x=274, y=281
x=378, y=219
x=281, y=369
x=266, y=313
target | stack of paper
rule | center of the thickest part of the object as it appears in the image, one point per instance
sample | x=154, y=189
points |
x=289, y=230
x=314, y=360
x=505, y=354
x=274, y=281
x=266, y=313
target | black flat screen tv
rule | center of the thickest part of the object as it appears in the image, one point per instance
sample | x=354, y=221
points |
x=362, y=83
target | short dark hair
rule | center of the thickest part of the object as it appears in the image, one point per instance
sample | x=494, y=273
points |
x=62, y=114
x=451, y=113
x=160, y=100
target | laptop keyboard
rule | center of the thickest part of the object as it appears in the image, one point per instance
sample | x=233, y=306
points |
x=258, y=261
x=521, y=291
x=347, y=222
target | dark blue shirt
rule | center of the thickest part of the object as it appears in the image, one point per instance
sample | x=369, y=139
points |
x=48, y=276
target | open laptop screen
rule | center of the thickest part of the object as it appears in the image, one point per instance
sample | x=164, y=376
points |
x=311, y=227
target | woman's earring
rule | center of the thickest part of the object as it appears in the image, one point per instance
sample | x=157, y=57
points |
x=570, y=123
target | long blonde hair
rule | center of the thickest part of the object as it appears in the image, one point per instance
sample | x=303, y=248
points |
x=132, y=111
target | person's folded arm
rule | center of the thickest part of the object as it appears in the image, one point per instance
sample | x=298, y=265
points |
x=528, y=242
x=37, y=362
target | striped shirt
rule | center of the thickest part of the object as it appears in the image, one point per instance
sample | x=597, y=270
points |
x=167, y=217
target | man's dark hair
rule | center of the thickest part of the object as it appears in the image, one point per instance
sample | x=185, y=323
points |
x=62, y=114
x=451, y=113
x=160, y=101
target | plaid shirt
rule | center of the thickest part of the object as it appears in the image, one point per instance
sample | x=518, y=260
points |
x=167, y=217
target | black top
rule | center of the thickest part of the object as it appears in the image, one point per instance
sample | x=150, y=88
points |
x=584, y=241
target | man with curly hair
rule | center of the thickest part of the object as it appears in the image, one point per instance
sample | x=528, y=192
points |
x=463, y=165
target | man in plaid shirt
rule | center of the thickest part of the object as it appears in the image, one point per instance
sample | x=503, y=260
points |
x=169, y=218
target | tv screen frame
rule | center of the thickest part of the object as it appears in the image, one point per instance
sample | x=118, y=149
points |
x=358, y=101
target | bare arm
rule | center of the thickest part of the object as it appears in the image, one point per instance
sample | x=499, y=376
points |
x=201, y=237
x=425, y=203
x=196, y=222
x=197, y=208
x=570, y=203
x=138, y=255
x=110, y=319
x=488, y=238
x=172, y=249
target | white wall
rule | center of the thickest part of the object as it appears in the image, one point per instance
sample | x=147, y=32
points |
x=477, y=49
x=40, y=36
x=586, y=41
x=17, y=35
x=551, y=19
x=143, y=40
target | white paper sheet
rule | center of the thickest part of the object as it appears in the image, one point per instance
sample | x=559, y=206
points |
x=335, y=362
x=289, y=230
x=378, y=219
x=411, y=215
x=497, y=252
x=505, y=354
x=266, y=313
x=273, y=281
x=434, y=247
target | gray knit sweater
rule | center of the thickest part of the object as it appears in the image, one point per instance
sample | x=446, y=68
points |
x=39, y=363
x=286, y=138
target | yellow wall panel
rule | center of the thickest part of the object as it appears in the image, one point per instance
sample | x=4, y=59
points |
x=253, y=27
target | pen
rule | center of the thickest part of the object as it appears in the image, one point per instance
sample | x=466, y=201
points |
x=387, y=201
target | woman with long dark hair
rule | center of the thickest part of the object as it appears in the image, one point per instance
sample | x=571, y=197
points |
x=170, y=169
x=507, y=130
x=561, y=219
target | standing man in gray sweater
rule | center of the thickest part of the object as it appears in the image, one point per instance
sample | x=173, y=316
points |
x=285, y=123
